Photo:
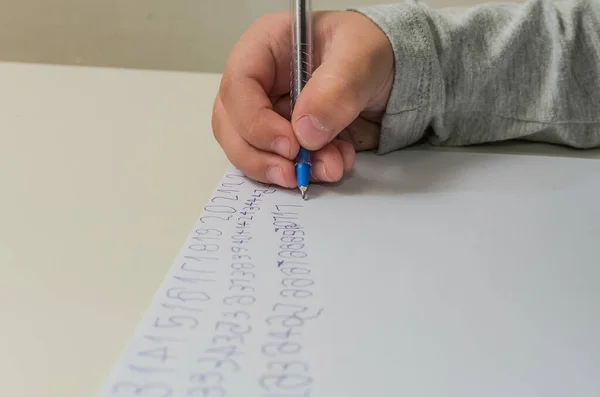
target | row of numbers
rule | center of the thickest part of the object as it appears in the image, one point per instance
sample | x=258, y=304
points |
x=178, y=313
x=233, y=327
x=287, y=374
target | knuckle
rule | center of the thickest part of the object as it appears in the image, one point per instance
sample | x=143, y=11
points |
x=349, y=87
x=226, y=86
x=269, y=19
x=240, y=161
x=253, y=169
x=215, y=120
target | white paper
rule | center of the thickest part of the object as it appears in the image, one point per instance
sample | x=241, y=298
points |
x=423, y=274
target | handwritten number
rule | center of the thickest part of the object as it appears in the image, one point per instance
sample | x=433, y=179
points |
x=285, y=382
x=228, y=191
x=283, y=366
x=286, y=321
x=161, y=339
x=221, y=218
x=283, y=335
x=242, y=274
x=238, y=249
x=285, y=224
x=292, y=246
x=274, y=348
x=242, y=265
x=160, y=353
x=177, y=321
x=205, y=378
x=296, y=310
x=294, y=271
x=297, y=282
x=220, y=209
x=236, y=176
x=217, y=364
x=209, y=232
x=295, y=293
x=241, y=288
x=237, y=314
x=243, y=300
x=292, y=254
x=235, y=329
x=204, y=247
x=225, y=351
x=265, y=191
x=291, y=239
x=224, y=198
x=294, y=232
x=228, y=339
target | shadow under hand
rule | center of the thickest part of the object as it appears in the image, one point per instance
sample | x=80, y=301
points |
x=405, y=172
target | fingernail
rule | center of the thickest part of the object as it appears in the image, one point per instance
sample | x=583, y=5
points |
x=312, y=131
x=275, y=175
x=320, y=172
x=281, y=146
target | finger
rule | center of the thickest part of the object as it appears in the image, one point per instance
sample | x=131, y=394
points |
x=258, y=165
x=258, y=68
x=348, y=153
x=327, y=164
x=334, y=96
x=362, y=134
x=346, y=149
x=282, y=106
x=341, y=86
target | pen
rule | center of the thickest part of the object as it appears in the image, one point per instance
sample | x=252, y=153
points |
x=301, y=64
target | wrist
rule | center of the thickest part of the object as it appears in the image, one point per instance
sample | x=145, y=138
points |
x=417, y=88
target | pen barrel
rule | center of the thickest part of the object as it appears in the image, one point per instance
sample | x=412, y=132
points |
x=303, y=156
x=302, y=47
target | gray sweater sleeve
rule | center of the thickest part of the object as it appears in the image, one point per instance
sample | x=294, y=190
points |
x=493, y=72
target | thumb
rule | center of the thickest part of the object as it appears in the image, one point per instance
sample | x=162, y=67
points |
x=333, y=97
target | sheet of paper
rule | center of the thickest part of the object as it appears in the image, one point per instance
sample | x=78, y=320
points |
x=423, y=274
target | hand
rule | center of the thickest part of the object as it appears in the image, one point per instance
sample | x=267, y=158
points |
x=353, y=72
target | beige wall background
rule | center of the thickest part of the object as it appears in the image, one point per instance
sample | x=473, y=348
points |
x=187, y=35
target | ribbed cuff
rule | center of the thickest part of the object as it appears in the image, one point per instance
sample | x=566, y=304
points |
x=417, y=84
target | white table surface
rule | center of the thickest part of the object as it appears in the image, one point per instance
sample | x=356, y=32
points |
x=103, y=172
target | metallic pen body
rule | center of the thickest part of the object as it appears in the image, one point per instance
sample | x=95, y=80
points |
x=301, y=70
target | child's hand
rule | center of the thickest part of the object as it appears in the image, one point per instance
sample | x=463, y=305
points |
x=346, y=96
